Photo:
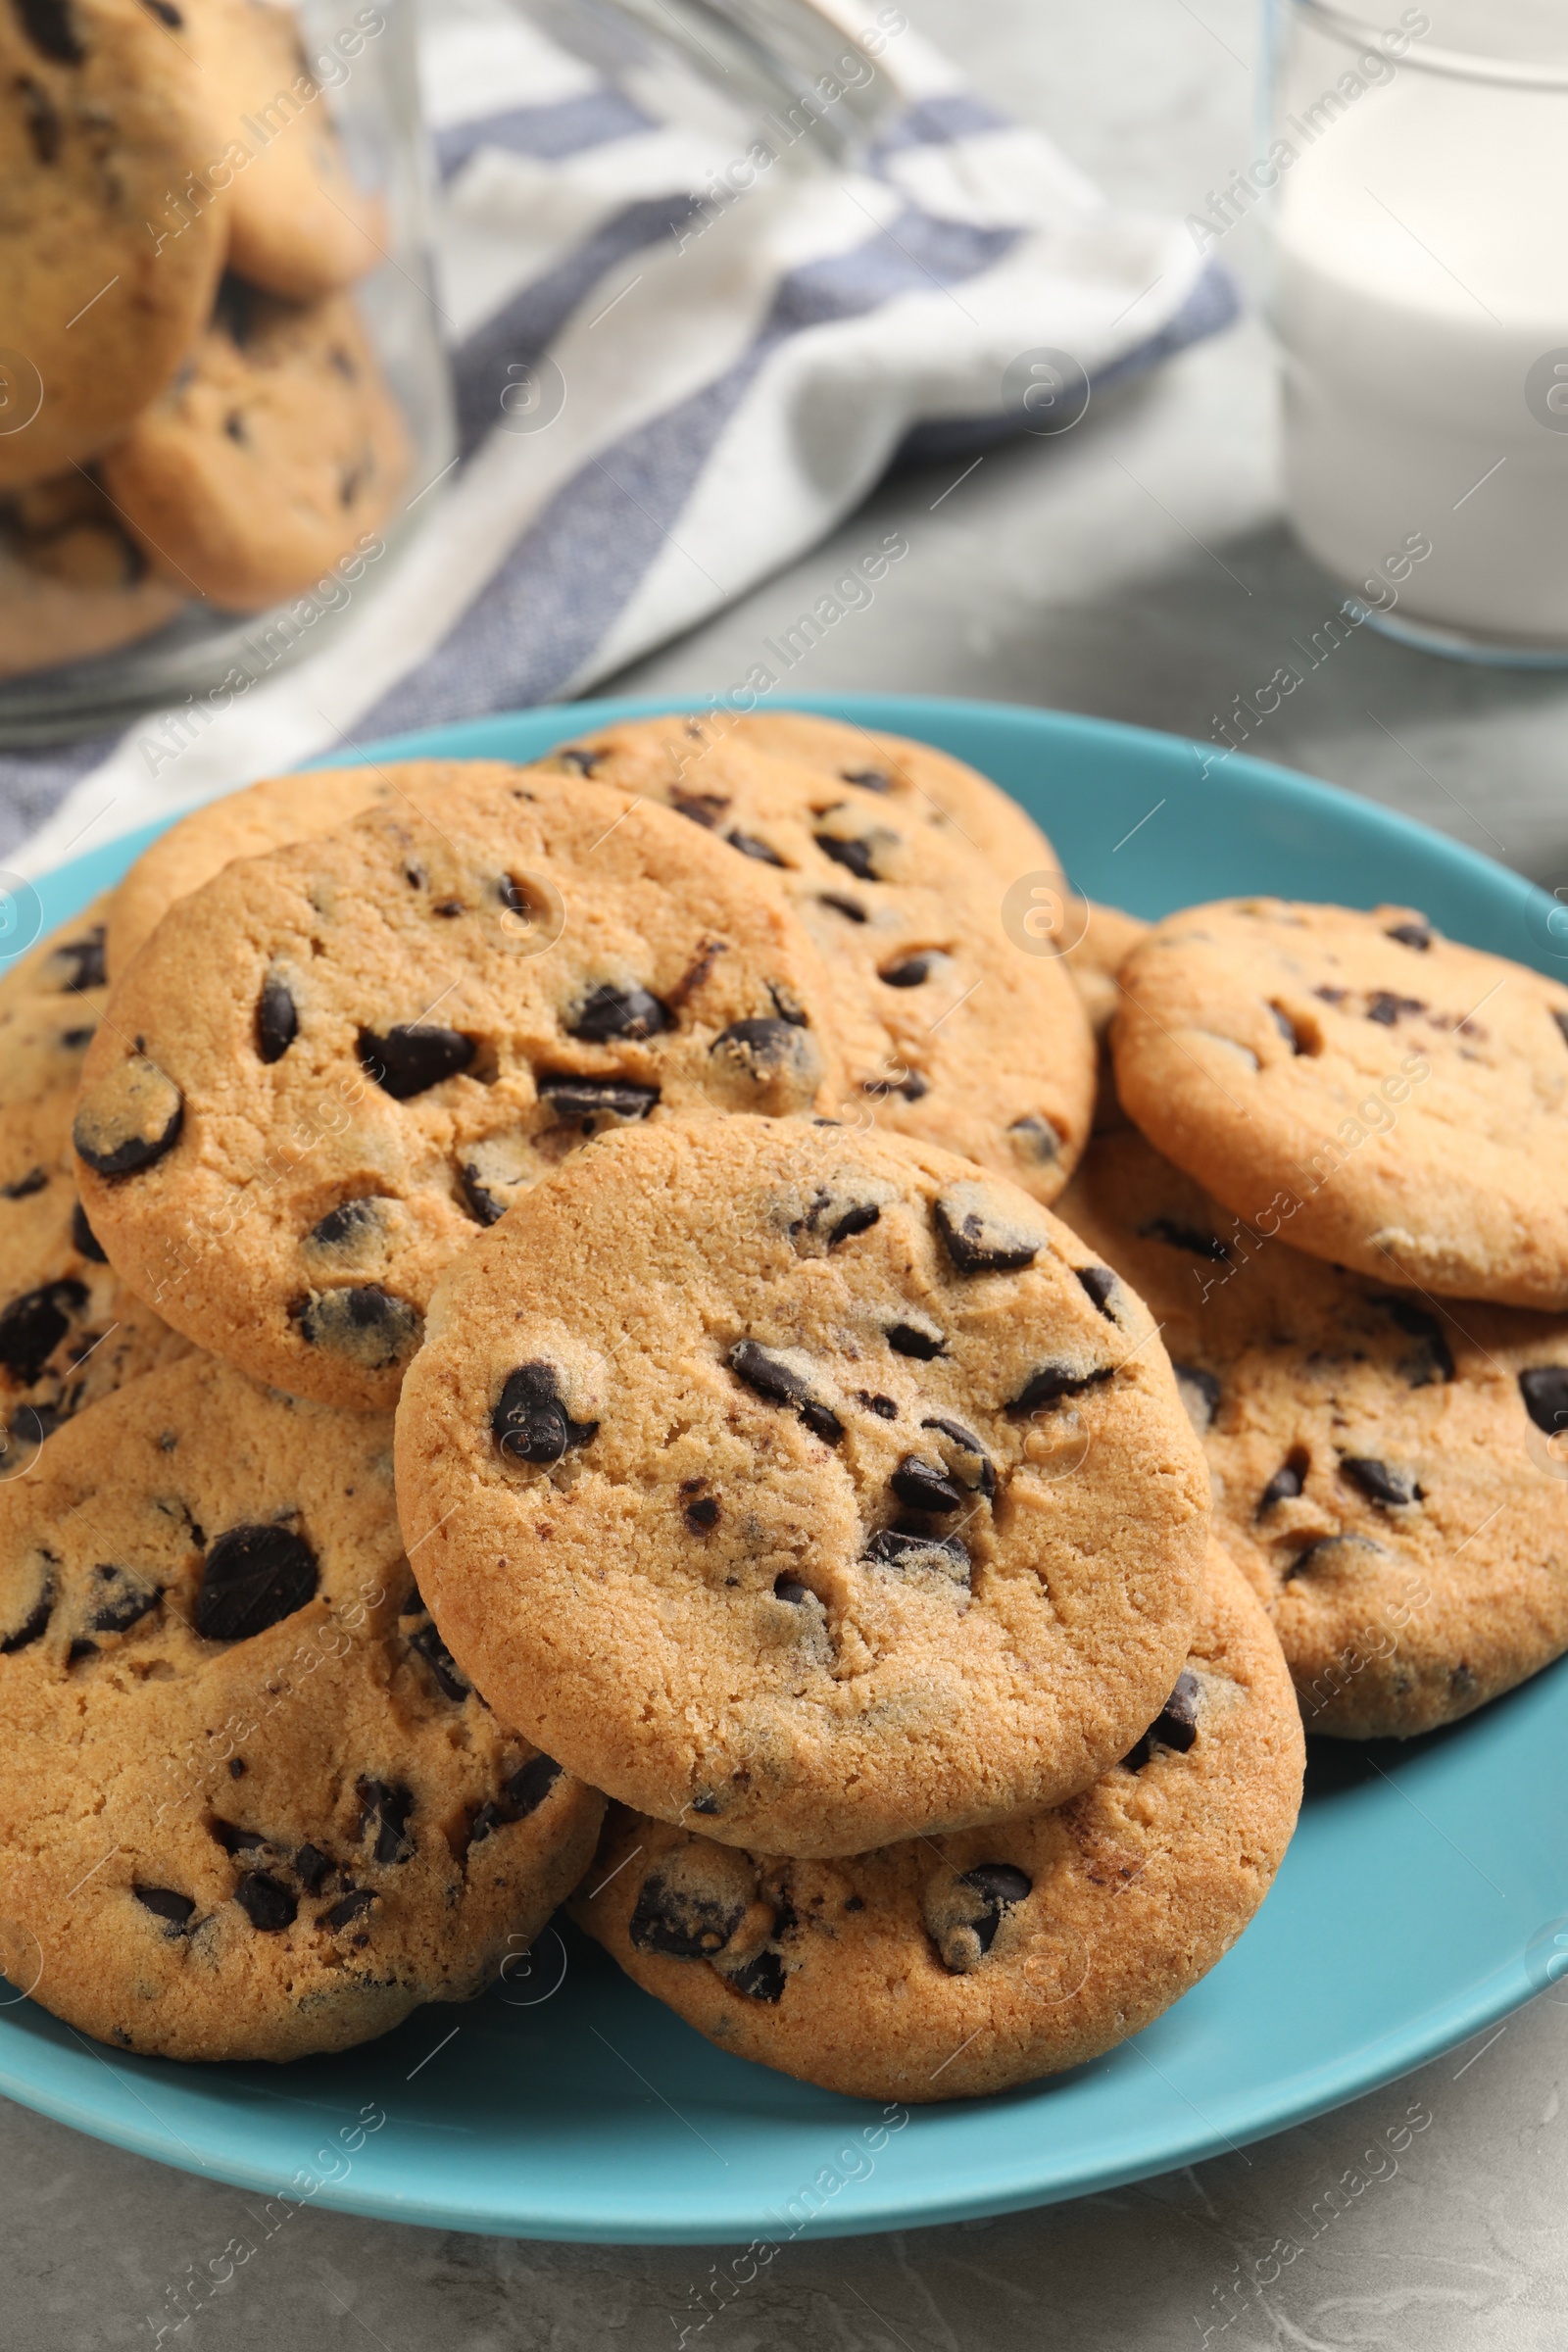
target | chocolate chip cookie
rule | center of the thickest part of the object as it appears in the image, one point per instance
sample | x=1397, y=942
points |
x=70, y=1331
x=101, y=117
x=267, y=815
x=1388, y=1467
x=948, y=1966
x=951, y=1033
x=298, y=223
x=249, y=1808
x=72, y=581
x=924, y=788
x=274, y=451
x=333, y=1065
x=1399, y=1101
x=809, y=1485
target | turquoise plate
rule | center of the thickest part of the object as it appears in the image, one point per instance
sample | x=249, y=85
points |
x=1425, y=1894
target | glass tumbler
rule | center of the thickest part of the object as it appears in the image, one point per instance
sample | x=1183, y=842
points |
x=1418, y=288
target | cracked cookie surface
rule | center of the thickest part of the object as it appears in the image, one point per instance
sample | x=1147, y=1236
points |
x=247, y=1806
x=809, y=1485
x=948, y=1966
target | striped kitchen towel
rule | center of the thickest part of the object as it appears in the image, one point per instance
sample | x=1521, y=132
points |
x=678, y=363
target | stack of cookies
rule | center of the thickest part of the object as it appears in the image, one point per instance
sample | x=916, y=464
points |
x=601, y=1331
x=191, y=406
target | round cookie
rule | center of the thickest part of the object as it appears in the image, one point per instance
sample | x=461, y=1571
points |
x=1386, y=1467
x=298, y=223
x=945, y=1967
x=70, y=1331
x=273, y=454
x=247, y=1806
x=1402, y=1100
x=267, y=815
x=101, y=116
x=72, y=583
x=332, y=1065
x=925, y=787
x=951, y=1034
x=804, y=1481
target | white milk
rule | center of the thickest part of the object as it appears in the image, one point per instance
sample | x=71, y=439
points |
x=1421, y=272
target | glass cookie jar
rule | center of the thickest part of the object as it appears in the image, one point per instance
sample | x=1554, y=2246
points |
x=221, y=379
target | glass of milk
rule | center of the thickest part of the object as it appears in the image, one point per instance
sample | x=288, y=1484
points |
x=1418, y=166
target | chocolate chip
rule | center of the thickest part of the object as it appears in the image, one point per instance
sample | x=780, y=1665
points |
x=613, y=1012
x=165, y=1904
x=761, y=1980
x=1100, y=1284
x=234, y=1839
x=1287, y=1481
x=1037, y=1140
x=789, y=1589
x=277, y=1019
x=1188, y=1238
x=768, y=1374
x=1433, y=1360
x=1175, y=1726
x=119, y=1599
x=32, y=1327
x=369, y=1326
x=981, y=1234
x=912, y=972
x=999, y=1885
x=530, y=1422
x=166, y=11
x=570, y=1096
x=345, y=1229
x=312, y=1868
x=869, y=779
x=129, y=1119
x=1199, y=1394
x=385, y=1806
x=1377, y=1481
x=267, y=1903
x=921, y=1341
x=428, y=1644
x=1386, y=1007
x=350, y=1906
x=847, y=907
x=751, y=846
x=45, y=128
x=529, y=1786
x=907, y=1551
x=1051, y=1383
x=406, y=1059
x=967, y=1442
x=34, y=1181
x=858, y=1219
x=762, y=1057
x=1416, y=935
x=236, y=1768
x=575, y=756
x=1545, y=1390
x=924, y=1486
x=252, y=1577
x=912, y=1086
x=52, y=29
x=36, y=1623
x=855, y=855
x=83, y=1239
x=682, y=1922
x=1288, y=1029
x=883, y=1406
x=701, y=1515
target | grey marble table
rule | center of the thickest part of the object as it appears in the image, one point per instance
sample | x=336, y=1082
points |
x=1138, y=569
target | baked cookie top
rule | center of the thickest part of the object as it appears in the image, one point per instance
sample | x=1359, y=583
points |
x=1402, y=1098
x=952, y=1034
x=249, y=1808
x=333, y=1065
x=805, y=1483
x=1387, y=1465
x=958, y=1964
x=102, y=117
x=267, y=815
x=70, y=1331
